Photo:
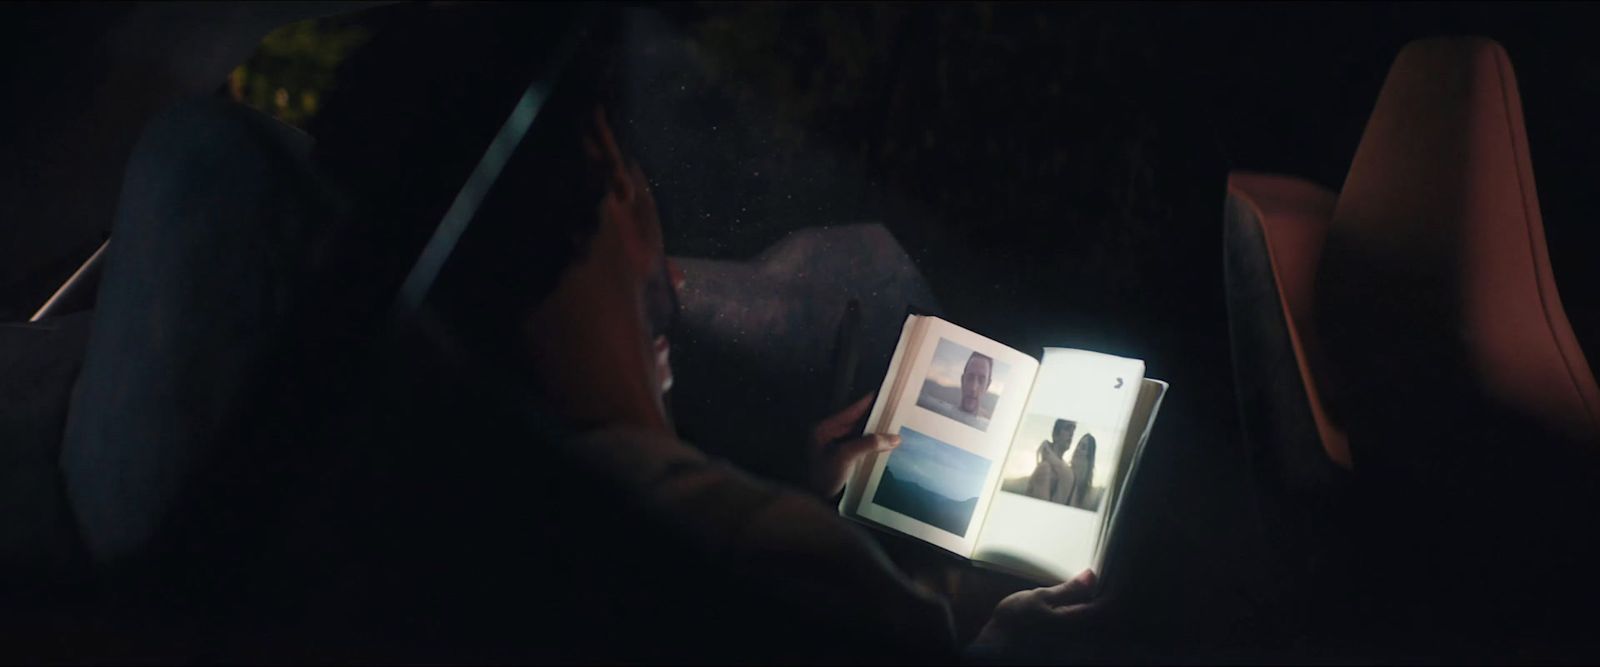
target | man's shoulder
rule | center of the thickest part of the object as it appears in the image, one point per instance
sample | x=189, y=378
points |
x=778, y=540
x=666, y=476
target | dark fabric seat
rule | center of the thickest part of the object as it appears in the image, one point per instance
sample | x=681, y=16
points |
x=1273, y=230
x=121, y=425
x=213, y=237
x=190, y=377
x=39, y=545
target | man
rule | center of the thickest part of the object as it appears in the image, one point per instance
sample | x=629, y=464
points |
x=975, y=379
x=1052, y=477
x=975, y=382
x=520, y=493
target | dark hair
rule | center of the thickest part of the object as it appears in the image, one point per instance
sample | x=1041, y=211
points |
x=1086, y=479
x=1087, y=444
x=1061, y=447
x=413, y=112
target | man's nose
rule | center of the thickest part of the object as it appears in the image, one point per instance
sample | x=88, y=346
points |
x=675, y=275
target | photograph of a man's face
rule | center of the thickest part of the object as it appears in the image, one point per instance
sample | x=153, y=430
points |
x=963, y=384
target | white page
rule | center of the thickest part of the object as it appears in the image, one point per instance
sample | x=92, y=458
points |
x=1145, y=409
x=945, y=471
x=1046, y=539
x=904, y=351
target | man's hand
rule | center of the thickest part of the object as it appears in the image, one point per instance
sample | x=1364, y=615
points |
x=1031, y=620
x=832, y=458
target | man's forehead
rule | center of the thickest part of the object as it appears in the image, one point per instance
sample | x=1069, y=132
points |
x=978, y=359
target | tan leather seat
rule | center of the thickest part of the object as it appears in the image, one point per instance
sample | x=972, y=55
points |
x=1430, y=263
x=1417, y=404
x=1437, y=239
x=1283, y=222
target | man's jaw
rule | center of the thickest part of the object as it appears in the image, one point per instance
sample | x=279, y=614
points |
x=663, y=350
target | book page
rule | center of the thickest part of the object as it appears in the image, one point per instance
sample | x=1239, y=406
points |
x=894, y=382
x=956, y=412
x=1045, y=522
x=1145, y=408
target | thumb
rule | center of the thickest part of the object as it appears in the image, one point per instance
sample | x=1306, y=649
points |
x=850, y=451
x=832, y=470
x=839, y=424
x=1078, y=590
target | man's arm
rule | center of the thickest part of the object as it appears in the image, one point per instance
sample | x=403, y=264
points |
x=1038, y=625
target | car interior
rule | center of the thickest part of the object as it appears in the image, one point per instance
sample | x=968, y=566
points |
x=1351, y=356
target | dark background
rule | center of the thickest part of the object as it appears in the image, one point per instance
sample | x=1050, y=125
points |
x=1056, y=171
x=1064, y=160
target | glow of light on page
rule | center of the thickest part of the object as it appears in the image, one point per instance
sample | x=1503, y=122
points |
x=1080, y=393
x=1036, y=428
x=938, y=467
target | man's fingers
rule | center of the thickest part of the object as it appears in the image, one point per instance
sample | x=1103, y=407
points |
x=840, y=424
x=867, y=444
x=855, y=411
x=845, y=457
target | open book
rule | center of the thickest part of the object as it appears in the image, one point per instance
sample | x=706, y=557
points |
x=1014, y=463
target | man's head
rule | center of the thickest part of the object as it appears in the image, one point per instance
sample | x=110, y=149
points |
x=975, y=381
x=1061, y=434
x=561, y=272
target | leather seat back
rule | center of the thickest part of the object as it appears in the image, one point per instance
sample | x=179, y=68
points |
x=1438, y=243
x=1275, y=229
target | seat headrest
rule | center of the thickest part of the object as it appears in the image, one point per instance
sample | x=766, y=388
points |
x=1438, y=242
x=217, y=226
